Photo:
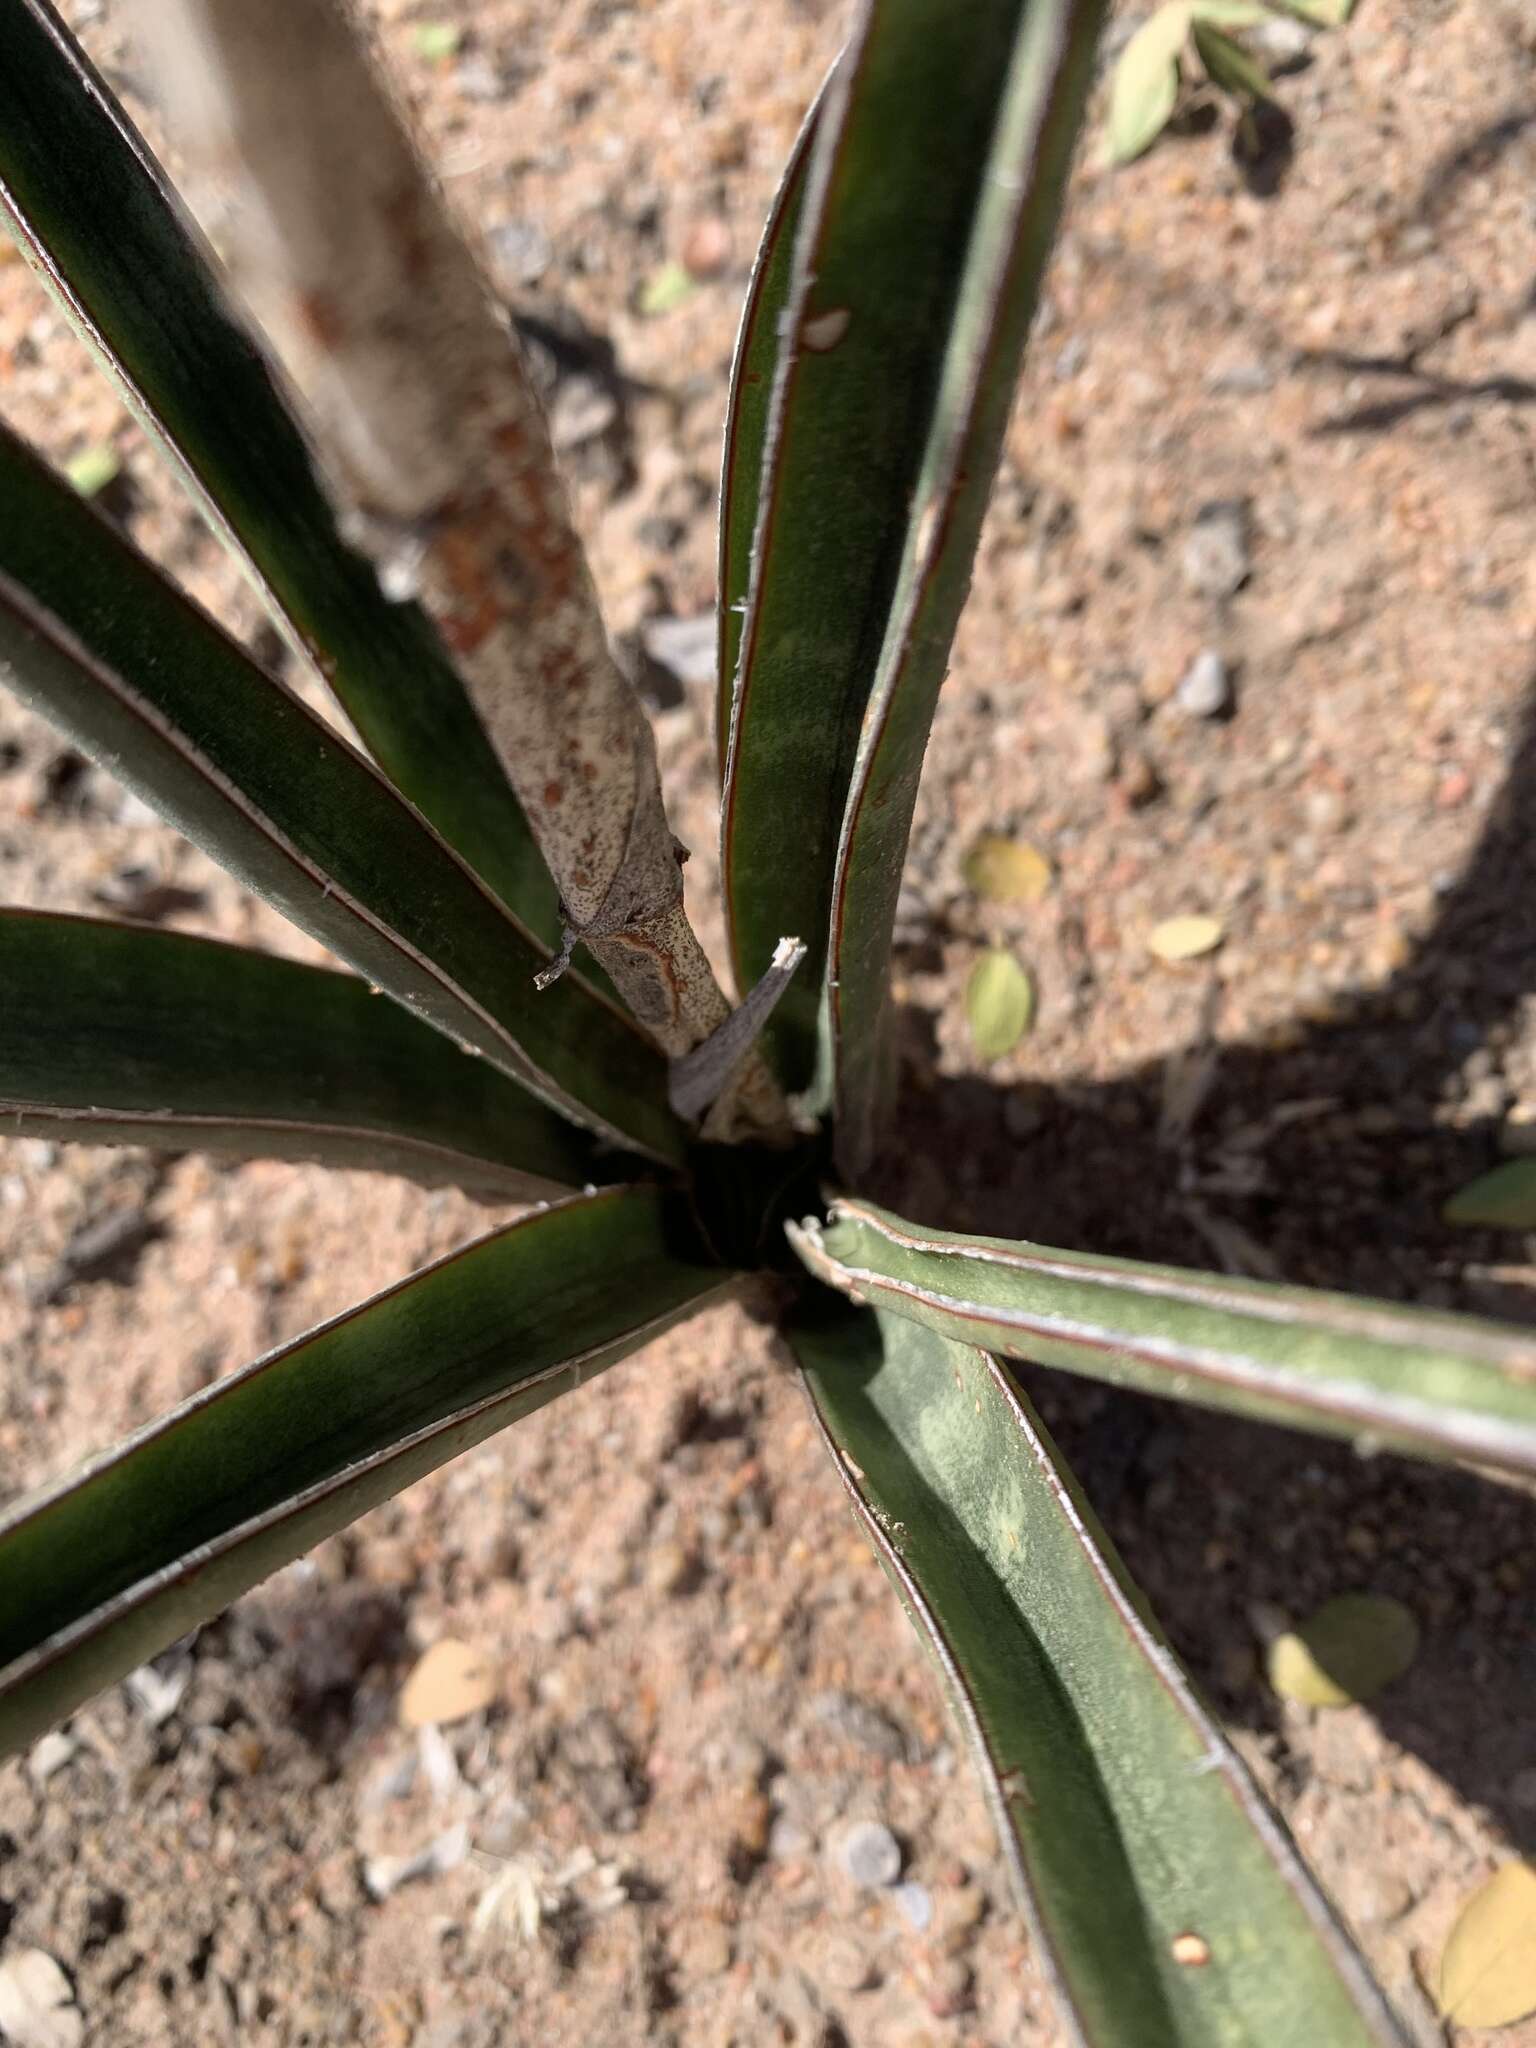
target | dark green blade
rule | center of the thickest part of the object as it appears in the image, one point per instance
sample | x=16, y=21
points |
x=99, y=643
x=1440, y=1386
x=746, y=418
x=106, y=1567
x=116, y=1034
x=1050, y=71
x=91, y=208
x=898, y=170
x=1166, y=1902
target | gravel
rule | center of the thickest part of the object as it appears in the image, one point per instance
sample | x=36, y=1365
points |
x=868, y=1852
x=916, y=1903
x=1205, y=689
x=687, y=647
x=1217, y=560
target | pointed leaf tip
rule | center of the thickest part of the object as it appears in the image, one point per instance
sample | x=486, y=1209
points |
x=1229, y=66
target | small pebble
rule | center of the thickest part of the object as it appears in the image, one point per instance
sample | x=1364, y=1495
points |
x=1280, y=40
x=707, y=247
x=948, y=1987
x=787, y=1840
x=1380, y=1897
x=1138, y=782
x=37, y=2008
x=868, y=1852
x=477, y=78
x=688, y=647
x=1241, y=379
x=521, y=252
x=916, y=1903
x=1216, y=559
x=674, y=1569
x=844, y=1965
x=1205, y=690
x=861, y=1724
x=53, y=1752
x=704, y=1948
x=157, y=1694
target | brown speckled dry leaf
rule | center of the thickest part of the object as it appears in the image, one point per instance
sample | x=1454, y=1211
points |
x=1488, y=1969
x=450, y=1681
x=427, y=423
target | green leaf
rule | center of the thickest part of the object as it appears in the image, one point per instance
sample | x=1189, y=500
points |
x=1044, y=76
x=1229, y=65
x=999, y=1004
x=95, y=640
x=883, y=250
x=1166, y=1904
x=1349, y=1650
x=107, y=1566
x=1389, y=1377
x=93, y=212
x=1146, y=87
x=746, y=418
x=1504, y=1199
x=116, y=1034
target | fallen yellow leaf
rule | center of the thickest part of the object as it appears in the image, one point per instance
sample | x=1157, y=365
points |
x=1488, y=1967
x=1007, y=870
x=1348, y=1651
x=450, y=1681
x=999, y=1004
x=1185, y=938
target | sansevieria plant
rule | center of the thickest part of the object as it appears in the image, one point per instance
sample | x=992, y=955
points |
x=523, y=1008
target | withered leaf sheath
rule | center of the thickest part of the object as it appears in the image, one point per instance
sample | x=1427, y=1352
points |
x=426, y=422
